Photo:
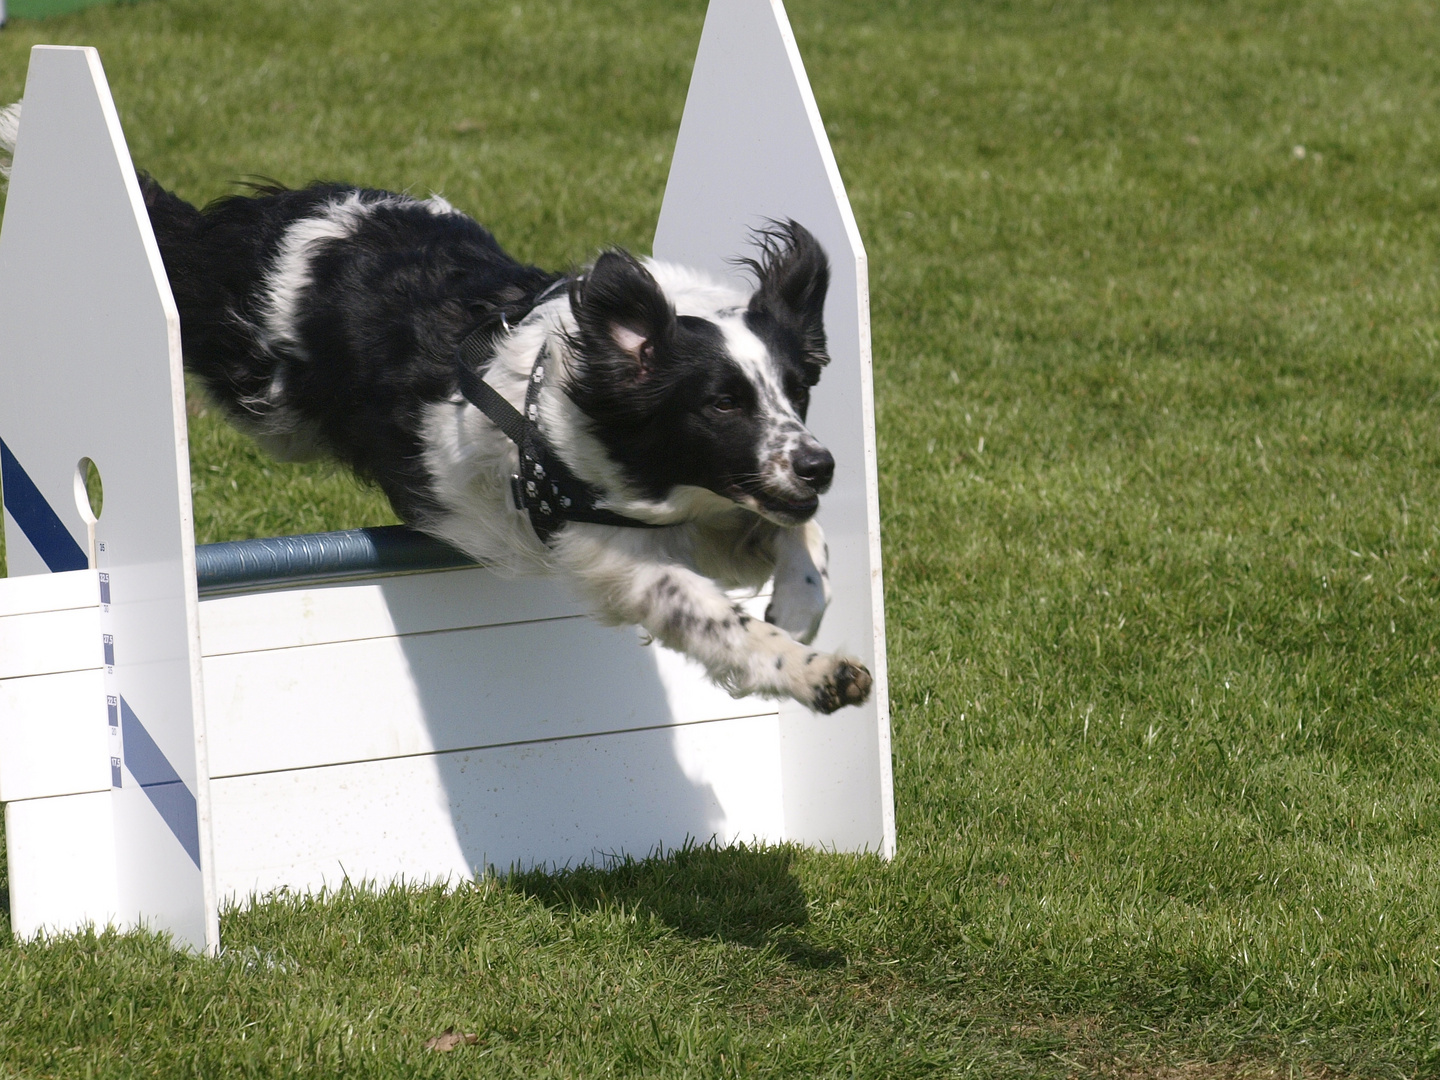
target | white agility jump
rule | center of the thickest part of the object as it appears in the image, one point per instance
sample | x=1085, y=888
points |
x=180, y=729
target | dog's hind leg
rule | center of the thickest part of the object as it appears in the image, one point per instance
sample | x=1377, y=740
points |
x=691, y=614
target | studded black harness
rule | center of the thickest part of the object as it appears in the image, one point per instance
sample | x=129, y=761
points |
x=545, y=488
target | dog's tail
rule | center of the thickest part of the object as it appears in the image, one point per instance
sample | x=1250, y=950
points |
x=9, y=132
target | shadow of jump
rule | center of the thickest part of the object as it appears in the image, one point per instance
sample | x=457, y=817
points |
x=747, y=895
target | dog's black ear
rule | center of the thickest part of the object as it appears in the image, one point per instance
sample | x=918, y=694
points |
x=793, y=276
x=623, y=315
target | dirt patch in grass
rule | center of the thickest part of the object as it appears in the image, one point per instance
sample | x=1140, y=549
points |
x=1232, y=1069
x=1092, y=1048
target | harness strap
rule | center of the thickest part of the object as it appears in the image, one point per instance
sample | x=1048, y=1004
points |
x=484, y=396
x=545, y=488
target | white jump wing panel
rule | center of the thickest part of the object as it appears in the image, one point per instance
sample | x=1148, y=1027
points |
x=91, y=368
x=751, y=149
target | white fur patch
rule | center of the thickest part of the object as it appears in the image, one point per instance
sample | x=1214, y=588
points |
x=9, y=135
x=289, y=274
x=783, y=429
x=438, y=205
x=694, y=292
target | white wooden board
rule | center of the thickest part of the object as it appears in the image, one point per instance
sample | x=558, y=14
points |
x=48, y=592
x=68, y=882
x=384, y=697
x=457, y=677
x=450, y=815
x=50, y=641
x=52, y=736
x=354, y=611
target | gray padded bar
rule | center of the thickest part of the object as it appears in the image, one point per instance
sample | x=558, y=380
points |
x=239, y=565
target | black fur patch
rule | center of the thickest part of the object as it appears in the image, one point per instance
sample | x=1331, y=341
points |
x=382, y=316
x=787, y=311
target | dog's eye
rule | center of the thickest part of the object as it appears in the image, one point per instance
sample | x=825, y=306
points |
x=725, y=404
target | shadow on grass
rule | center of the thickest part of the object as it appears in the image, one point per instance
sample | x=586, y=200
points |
x=746, y=895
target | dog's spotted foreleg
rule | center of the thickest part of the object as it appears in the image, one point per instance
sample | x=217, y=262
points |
x=783, y=666
x=689, y=613
x=802, y=581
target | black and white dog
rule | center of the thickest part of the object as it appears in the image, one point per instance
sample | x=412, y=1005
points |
x=329, y=321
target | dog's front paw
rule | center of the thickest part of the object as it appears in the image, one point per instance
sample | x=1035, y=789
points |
x=840, y=682
x=802, y=582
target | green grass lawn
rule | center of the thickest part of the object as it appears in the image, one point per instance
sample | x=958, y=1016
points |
x=1156, y=319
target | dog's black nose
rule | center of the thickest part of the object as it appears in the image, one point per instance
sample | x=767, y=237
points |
x=815, y=465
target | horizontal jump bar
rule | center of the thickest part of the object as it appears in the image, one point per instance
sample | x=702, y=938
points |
x=287, y=560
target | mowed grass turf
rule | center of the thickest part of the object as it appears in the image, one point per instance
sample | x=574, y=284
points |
x=1155, y=324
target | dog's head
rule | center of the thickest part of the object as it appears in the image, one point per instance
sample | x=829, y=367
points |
x=714, y=397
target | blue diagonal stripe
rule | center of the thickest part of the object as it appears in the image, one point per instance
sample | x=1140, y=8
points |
x=159, y=780
x=40, y=524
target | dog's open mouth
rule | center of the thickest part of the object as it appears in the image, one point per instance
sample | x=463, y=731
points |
x=780, y=509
